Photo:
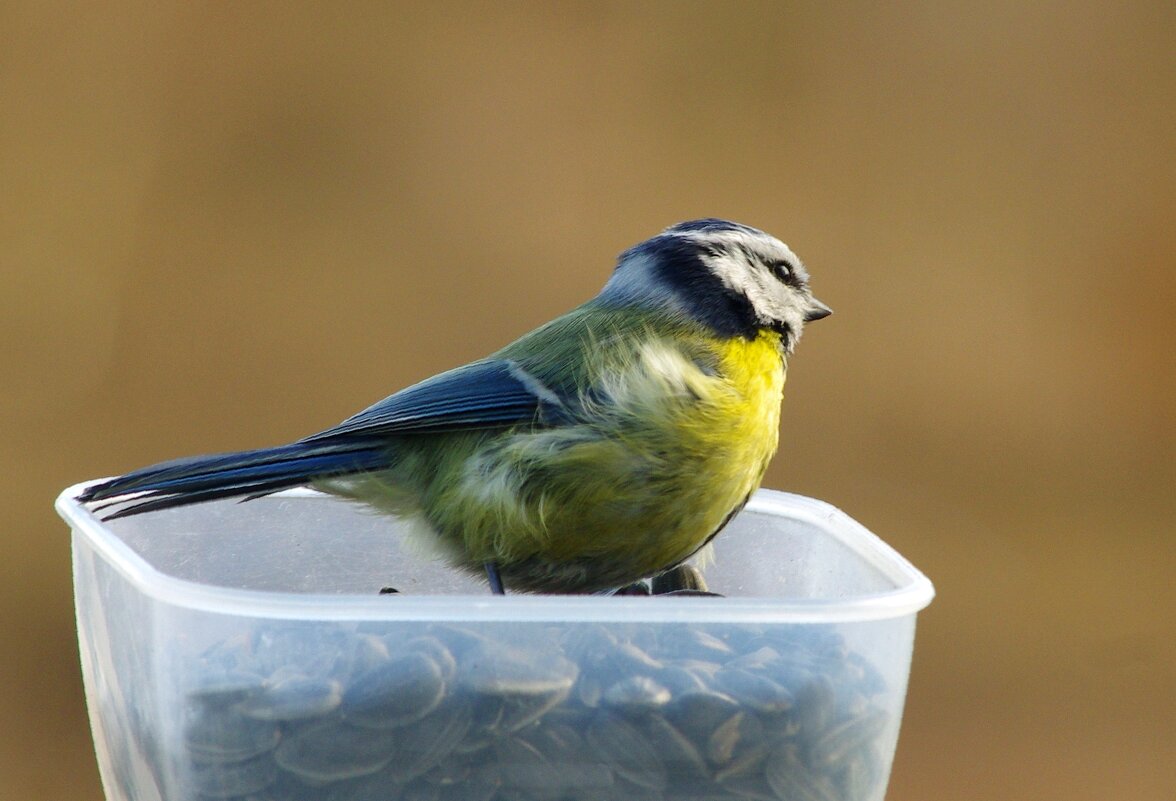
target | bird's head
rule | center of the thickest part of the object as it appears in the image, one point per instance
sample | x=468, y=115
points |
x=730, y=276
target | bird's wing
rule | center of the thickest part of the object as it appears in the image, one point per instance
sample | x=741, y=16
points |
x=484, y=394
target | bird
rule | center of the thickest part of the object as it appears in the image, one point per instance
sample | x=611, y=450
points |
x=604, y=447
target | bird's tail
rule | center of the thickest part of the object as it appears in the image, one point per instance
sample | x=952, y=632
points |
x=226, y=475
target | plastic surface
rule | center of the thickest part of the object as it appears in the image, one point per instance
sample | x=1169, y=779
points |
x=243, y=651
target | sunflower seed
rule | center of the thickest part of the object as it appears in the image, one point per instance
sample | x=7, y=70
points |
x=225, y=735
x=395, y=693
x=636, y=695
x=293, y=697
x=331, y=750
x=792, y=780
x=627, y=752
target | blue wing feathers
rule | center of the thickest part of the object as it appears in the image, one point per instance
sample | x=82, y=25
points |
x=479, y=395
x=487, y=393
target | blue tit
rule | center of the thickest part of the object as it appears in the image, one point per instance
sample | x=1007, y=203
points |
x=606, y=446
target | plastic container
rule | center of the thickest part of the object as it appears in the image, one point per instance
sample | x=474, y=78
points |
x=244, y=651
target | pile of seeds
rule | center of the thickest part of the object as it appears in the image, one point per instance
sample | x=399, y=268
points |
x=591, y=712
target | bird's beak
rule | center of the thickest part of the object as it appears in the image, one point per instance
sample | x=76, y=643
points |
x=816, y=310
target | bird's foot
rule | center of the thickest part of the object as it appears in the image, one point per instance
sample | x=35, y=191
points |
x=683, y=579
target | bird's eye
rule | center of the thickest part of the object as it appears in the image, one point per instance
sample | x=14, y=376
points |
x=782, y=270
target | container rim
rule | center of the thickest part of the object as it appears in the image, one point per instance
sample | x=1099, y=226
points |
x=913, y=591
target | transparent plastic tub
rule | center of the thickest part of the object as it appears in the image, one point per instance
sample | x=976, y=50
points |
x=244, y=651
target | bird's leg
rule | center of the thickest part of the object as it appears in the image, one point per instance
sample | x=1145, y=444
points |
x=494, y=579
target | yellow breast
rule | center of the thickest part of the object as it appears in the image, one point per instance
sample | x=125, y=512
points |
x=756, y=370
x=746, y=438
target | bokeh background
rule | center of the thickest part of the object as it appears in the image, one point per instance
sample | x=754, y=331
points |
x=228, y=225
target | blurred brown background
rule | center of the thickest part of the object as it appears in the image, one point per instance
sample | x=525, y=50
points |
x=229, y=225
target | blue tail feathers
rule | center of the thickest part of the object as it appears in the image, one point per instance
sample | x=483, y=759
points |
x=226, y=475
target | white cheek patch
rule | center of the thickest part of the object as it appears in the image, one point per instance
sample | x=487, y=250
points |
x=771, y=299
